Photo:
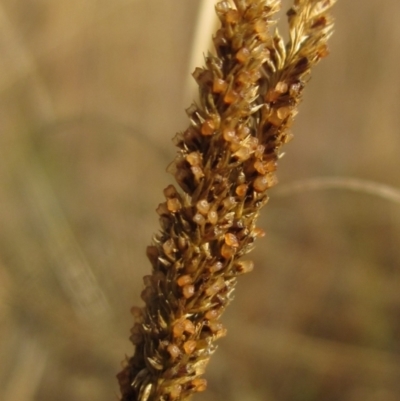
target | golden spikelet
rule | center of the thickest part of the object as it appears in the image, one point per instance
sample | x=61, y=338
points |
x=226, y=162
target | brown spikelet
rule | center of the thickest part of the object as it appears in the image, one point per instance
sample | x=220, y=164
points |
x=227, y=158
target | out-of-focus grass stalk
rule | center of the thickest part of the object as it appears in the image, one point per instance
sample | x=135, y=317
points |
x=74, y=273
x=26, y=372
x=378, y=189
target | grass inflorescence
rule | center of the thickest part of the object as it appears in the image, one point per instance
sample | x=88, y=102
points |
x=226, y=163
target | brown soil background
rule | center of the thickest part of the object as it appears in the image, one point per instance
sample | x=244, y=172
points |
x=91, y=93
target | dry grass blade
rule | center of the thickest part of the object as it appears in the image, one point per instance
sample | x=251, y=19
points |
x=383, y=191
x=27, y=373
x=22, y=63
x=70, y=264
x=73, y=271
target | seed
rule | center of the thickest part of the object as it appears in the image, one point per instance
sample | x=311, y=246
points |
x=259, y=152
x=227, y=251
x=220, y=39
x=261, y=183
x=199, y=384
x=281, y=87
x=219, y=85
x=217, y=329
x=231, y=97
x=231, y=240
x=162, y=209
x=174, y=205
x=194, y=158
x=184, y=280
x=208, y=127
x=212, y=217
x=273, y=180
x=259, y=232
x=199, y=219
x=244, y=131
x=243, y=153
x=188, y=326
x=188, y=291
x=215, y=326
x=216, y=267
x=243, y=78
x=221, y=333
x=287, y=136
x=283, y=112
x=197, y=172
x=215, y=287
x=295, y=89
x=175, y=391
x=261, y=28
x=173, y=350
x=243, y=55
x=197, y=74
x=223, y=7
x=229, y=134
x=271, y=165
x=137, y=312
x=323, y=51
x=241, y=178
x=252, y=143
x=170, y=191
x=229, y=202
x=169, y=247
x=203, y=77
x=259, y=166
x=245, y=266
x=275, y=119
x=212, y=314
x=232, y=16
x=203, y=206
x=241, y=190
x=178, y=329
x=189, y=346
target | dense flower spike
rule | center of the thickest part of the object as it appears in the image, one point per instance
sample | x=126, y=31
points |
x=249, y=91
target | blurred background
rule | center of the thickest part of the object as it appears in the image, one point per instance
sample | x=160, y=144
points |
x=91, y=93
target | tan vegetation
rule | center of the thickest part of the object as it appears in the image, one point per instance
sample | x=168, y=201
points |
x=91, y=93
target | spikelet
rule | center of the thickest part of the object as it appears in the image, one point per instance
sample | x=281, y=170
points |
x=226, y=162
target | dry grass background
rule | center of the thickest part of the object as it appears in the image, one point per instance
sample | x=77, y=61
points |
x=91, y=93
